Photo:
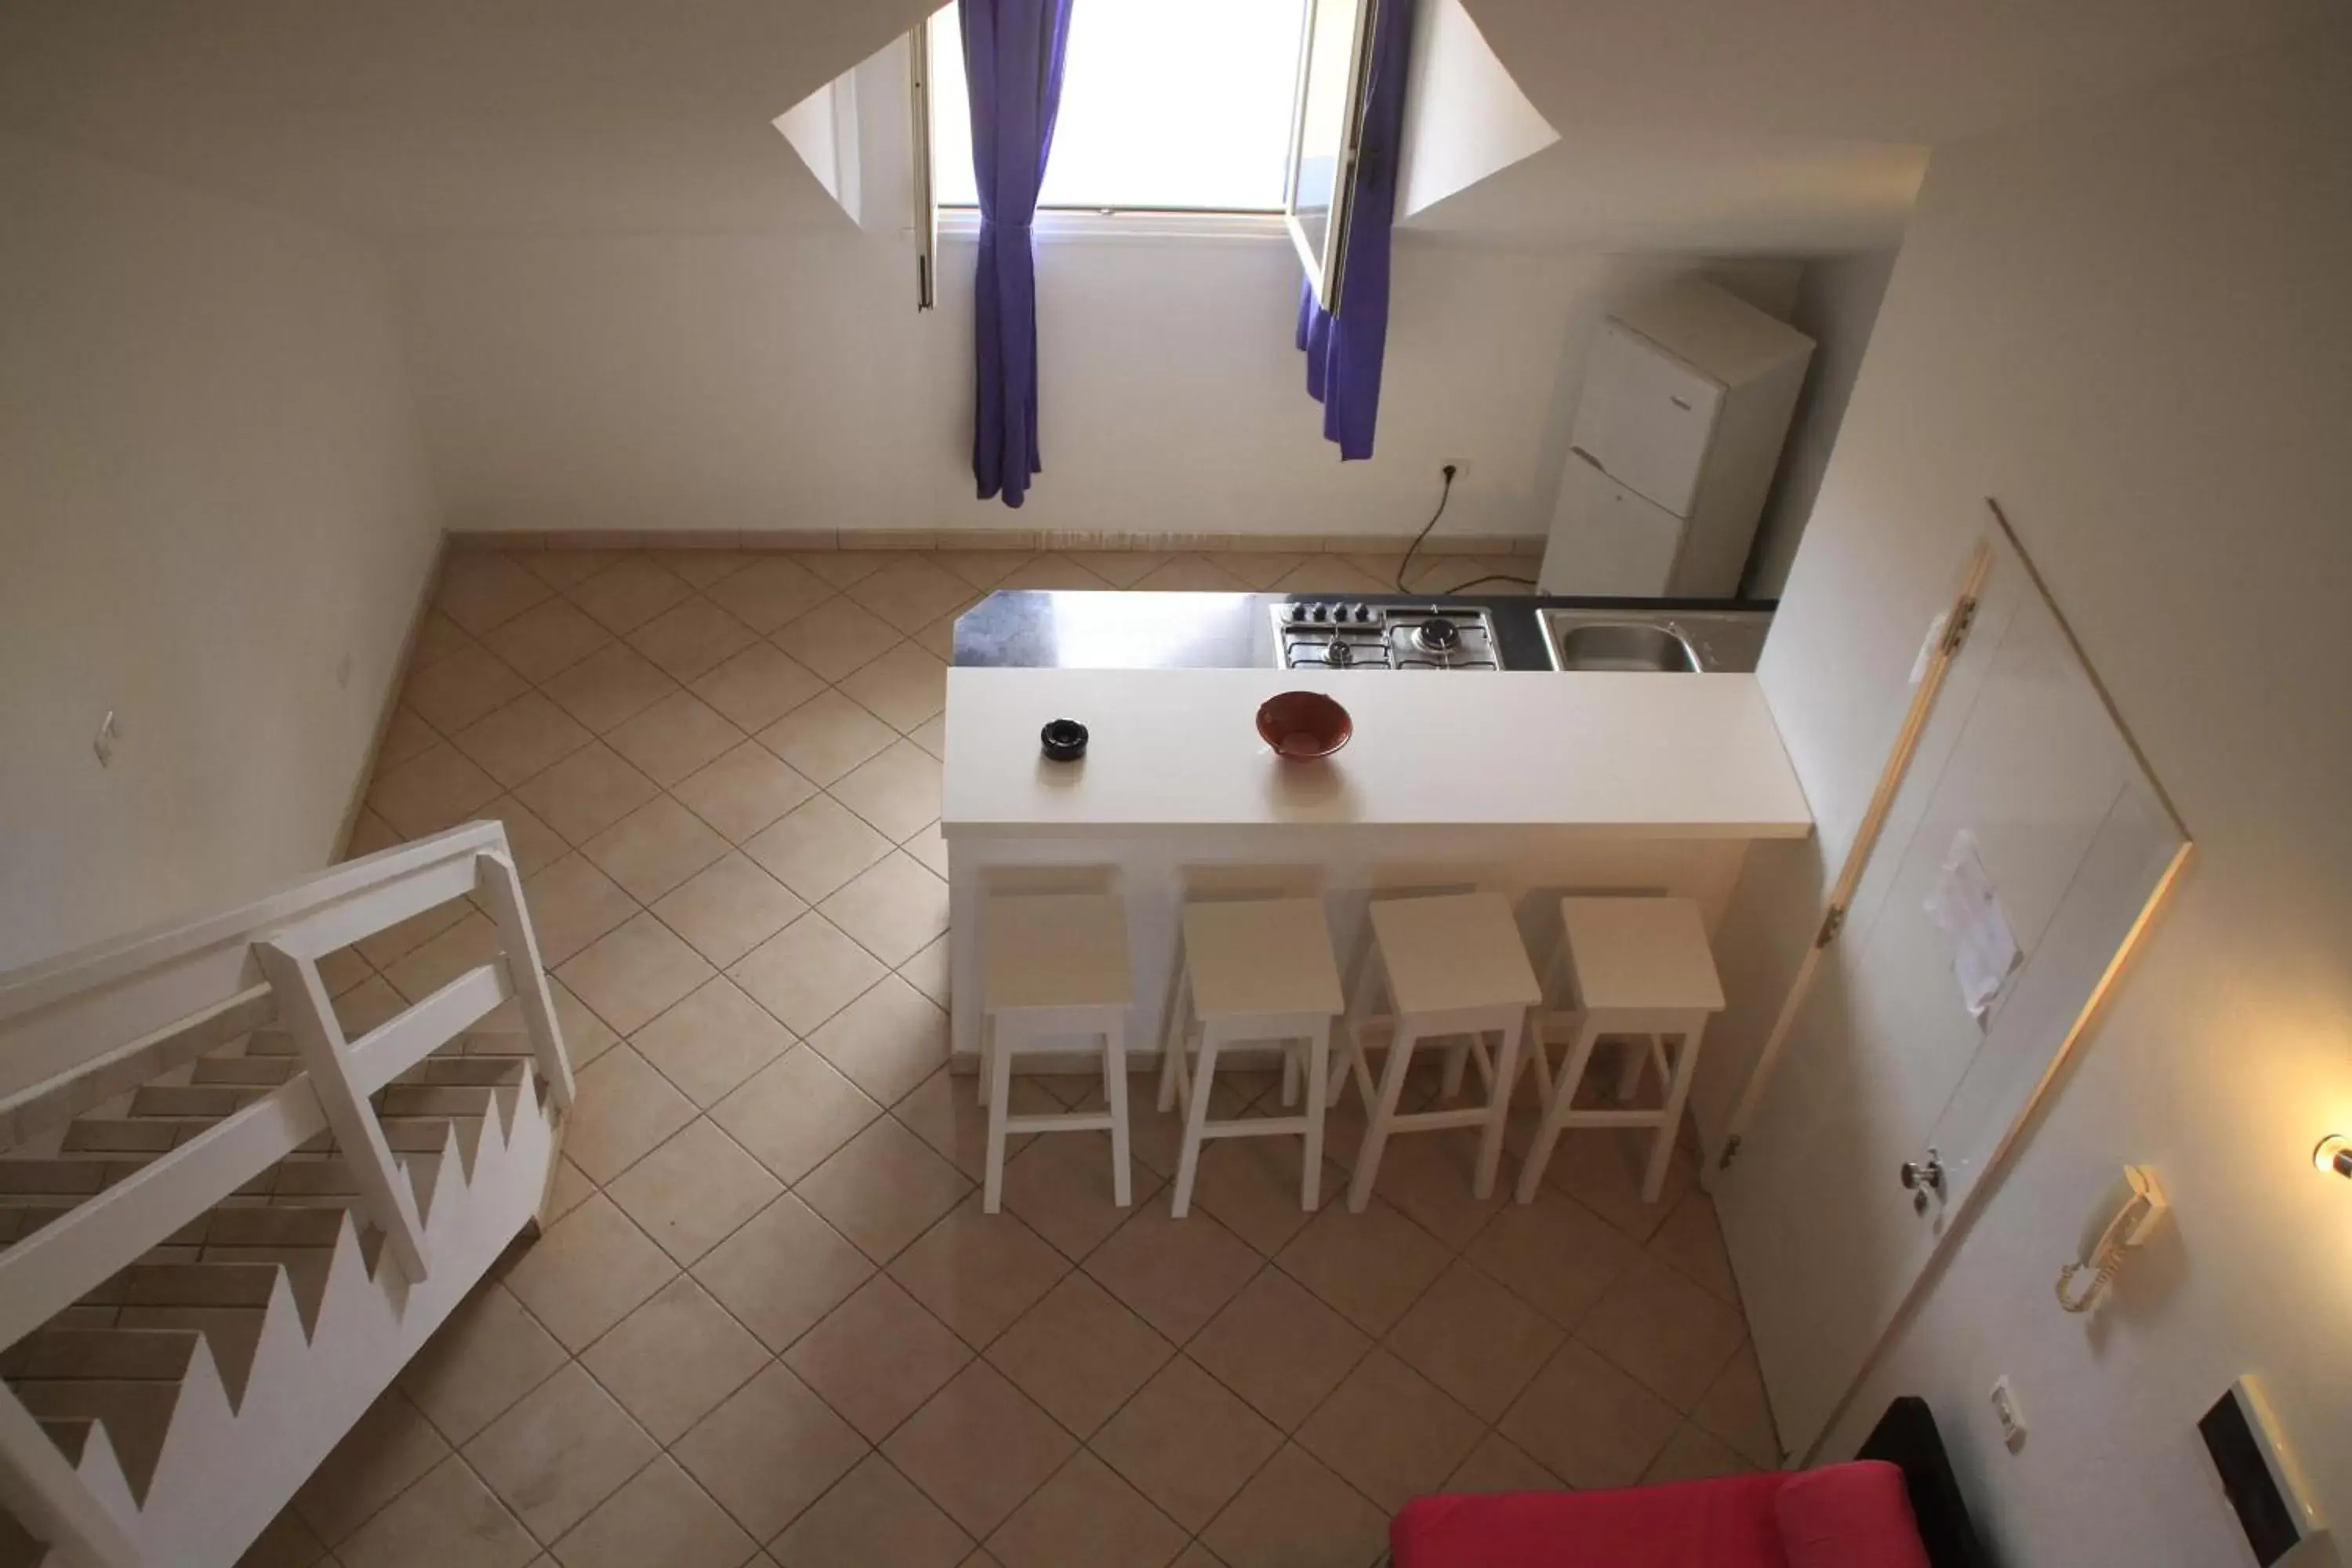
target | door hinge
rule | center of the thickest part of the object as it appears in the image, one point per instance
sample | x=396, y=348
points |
x=1730, y=1152
x=1831, y=923
x=1957, y=633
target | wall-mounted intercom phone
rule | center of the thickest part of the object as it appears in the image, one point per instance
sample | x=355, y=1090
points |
x=2130, y=1216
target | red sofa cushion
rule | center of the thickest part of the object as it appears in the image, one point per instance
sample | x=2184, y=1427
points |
x=1845, y=1515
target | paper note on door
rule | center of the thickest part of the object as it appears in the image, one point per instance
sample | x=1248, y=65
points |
x=1966, y=908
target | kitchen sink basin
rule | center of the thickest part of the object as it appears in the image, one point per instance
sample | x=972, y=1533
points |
x=1653, y=641
x=1623, y=645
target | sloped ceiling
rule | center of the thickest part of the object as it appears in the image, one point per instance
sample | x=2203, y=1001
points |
x=421, y=117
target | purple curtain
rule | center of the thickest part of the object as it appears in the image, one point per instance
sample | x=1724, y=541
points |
x=1344, y=348
x=1012, y=61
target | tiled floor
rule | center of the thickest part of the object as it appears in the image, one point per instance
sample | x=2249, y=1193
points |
x=771, y=1317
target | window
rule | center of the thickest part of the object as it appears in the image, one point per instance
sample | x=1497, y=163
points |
x=1170, y=105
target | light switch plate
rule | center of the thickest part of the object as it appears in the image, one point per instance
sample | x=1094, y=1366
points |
x=2012, y=1417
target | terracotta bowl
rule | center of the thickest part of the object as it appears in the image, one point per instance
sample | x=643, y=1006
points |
x=1303, y=725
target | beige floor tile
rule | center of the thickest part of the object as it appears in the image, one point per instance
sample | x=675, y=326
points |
x=894, y=909
x=727, y=909
x=1474, y=1340
x=672, y=1361
x=983, y=569
x=877, y=1358
x=757, y=686
x=448, y=1519
x=806, y=972
x=676, y=738
x=586, y=792
x=818, y=847
x=1390, y=1432
x=1177, y=1274
x=1280, y=1347
x=1602, y=1171
x=385, y=1451
x=572, y=904
x=586, y=1036
x=1251, y=1186
x=943, y=1111
x=472, y=941
x=978, y=1447
x=1079, y=1353
x=1187, y=1443
x=888, y=1041
x=929, y=969
x=486, y=1355
x=783, y=1271
x=521, y=740
x=1588, y=1422
x=932, y=736
x=1188, y=574
x=1330, y=574
x=655, y=849
x=1690, y=1242
x=439, y=787
x=769, y=1451
x=709, y=1043
x=1296, y=1514
x=1427, y=1177
x=1086, y=1517
x=938, y=640
x=834, y=638
x=627, y=594
x=480, y=589
x=842, y=567
x=930, y=845
x=405, y=736
x=560, y=1452
x=1497, y=1465
x=1692, y=1455
x=691, y=637
x=1054, y=571
x=608, y=687
x=470, y=684
x=562, y=568
x=883, y=1188
x=568, y=1190
x=743, y=790
x=632, y=973
x=874, y=1516
x=827, y=736
x=1061, y=1185
x=1735, y=1410
x=904, y=688
x=285, y=1542
x=589, y=1270
x=1367, y=1267
x=624, y=1112
x=1554, y=1254
x=770, y=592
x=661, y=1517
x=694, y=1191
x=1668, y=1332
x=701, y=568
x=1255, y=570
x=794, y=1113
x=547, y=639
x=978, y=1272
x=910, y=593
x=898, y=791
x=1120, y=568
x=533, y=844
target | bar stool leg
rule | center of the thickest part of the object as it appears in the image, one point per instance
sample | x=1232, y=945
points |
x=1318, y=1069
x=1290, y=1072
x=1563, y=1093
x=998, y=1095
x=1498, y=1105
x=1629, y=1078
x=1196, y=1115
x=987, y=1056
x=1115, y=1094
x=1179, y=1029
x=1376, y=1130
x=1653, y=1180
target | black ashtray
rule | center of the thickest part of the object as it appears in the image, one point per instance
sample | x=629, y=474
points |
x=1065, y=740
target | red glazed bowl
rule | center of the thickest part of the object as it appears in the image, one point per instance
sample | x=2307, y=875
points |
x=1303, y=725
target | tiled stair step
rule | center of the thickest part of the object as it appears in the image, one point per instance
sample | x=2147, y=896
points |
x=483, y=1071
x=204, y=1101
x=258, y=1071
x=136, y=1415
x=233, y=1333
x=64, y=1176
x=139, y=1355
x=71, y=1434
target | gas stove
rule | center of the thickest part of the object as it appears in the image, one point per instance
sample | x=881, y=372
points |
x=1336, y=633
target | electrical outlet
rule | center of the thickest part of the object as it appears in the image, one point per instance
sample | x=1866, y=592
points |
x=1461, y=467
x=2008, y=1413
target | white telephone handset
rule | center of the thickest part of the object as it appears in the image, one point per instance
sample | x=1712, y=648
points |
x=2124, y=1224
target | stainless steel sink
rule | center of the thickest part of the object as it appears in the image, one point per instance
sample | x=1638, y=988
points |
x=1658, y=642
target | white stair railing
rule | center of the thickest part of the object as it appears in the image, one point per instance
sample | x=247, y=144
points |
x=79, y=1030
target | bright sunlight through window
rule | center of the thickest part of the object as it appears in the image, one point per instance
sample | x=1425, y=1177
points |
x=1167, y=104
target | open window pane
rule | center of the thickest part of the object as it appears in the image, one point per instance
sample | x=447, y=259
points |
x=1165, y=104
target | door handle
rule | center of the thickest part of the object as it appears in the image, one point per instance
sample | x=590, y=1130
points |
x=1921, y=1177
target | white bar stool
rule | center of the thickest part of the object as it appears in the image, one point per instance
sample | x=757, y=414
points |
x=1639, y=967
x=1053, y=965
x=1261, y=971
x=1451, y=965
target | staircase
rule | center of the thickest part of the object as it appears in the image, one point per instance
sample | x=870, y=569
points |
x=225, y=1225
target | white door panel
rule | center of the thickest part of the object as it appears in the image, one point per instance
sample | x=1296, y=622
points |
x=1647, y=417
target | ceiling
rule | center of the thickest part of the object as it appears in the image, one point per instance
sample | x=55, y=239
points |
x=1703, y=124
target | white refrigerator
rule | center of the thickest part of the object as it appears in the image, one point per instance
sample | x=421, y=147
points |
x=1686, y=401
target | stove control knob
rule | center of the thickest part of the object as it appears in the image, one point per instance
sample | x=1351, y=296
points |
x=1318, y=612
x=1364, y=614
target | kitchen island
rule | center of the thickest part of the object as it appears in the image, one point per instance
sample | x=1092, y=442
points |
x=1534, y=784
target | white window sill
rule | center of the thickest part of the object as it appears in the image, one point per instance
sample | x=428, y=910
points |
x=1063, y=225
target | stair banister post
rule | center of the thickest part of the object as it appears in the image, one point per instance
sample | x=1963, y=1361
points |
x=310, y=1018
x=48, y=1499
x=496, y=879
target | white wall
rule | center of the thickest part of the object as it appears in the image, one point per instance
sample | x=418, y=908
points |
x=2132, y=326
x=1837, y=305
x=211, y=490
x=1463, y=116
x=716, y=382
